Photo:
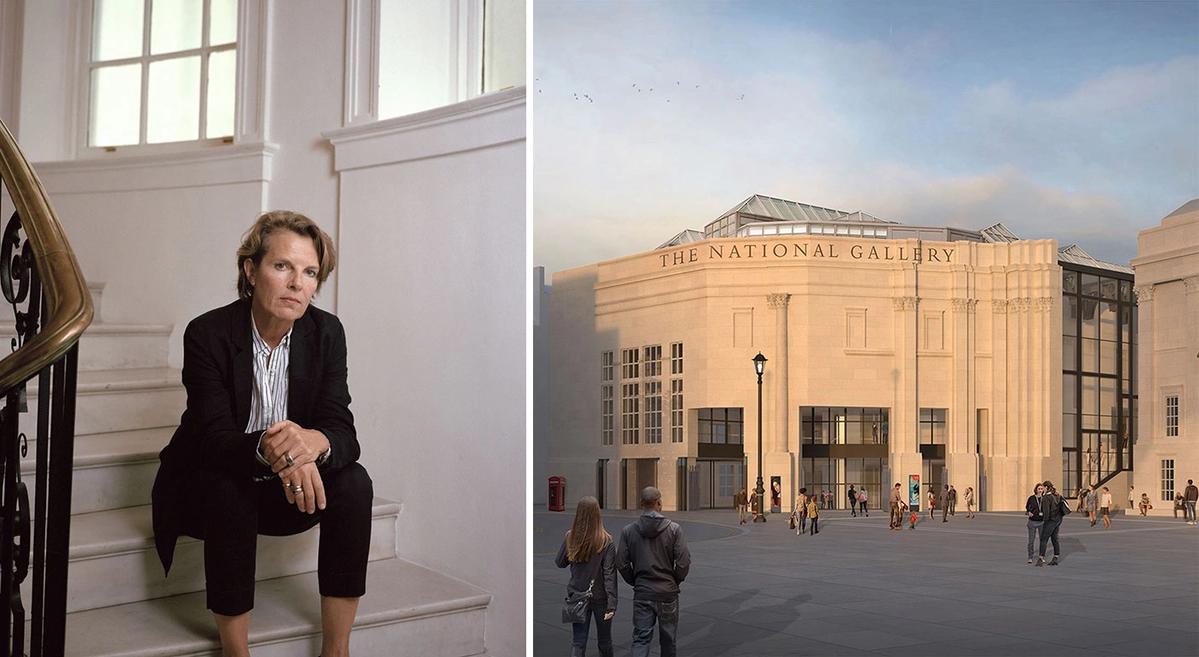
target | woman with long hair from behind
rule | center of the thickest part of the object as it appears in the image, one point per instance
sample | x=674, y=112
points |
x=589, y=551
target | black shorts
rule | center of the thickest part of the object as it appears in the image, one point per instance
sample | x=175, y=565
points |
x=1103, y=511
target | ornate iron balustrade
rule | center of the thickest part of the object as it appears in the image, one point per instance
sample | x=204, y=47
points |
x=41, y=281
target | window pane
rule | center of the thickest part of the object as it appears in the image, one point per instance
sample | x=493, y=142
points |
x=1069, y=281
x=175, y=25
x=1069, y=431
x=1069, y=393
x=173, y=111
x=415, y=56
x=222, y=73
x=117, y=30
x=503, y=44
x=1069, y=352
x=1069, y=315
x=116, y=105
x=1090, y=318
x=1107, y=320
x=222, y=22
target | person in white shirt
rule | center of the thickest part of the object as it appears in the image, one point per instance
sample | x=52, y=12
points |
x=1105, y=506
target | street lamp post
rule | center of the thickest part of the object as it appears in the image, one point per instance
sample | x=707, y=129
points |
x=759, y=367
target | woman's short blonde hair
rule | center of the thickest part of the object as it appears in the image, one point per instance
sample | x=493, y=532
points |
x=254, y=246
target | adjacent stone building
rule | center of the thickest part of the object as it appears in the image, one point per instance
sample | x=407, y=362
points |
x=1167, y=278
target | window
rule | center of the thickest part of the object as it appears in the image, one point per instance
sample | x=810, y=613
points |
x=433, y=53
x=1171, y=416
x=676, y=410
x=932, y=426
x=161, y=71
x=630, y=406
x=606, y=415
x=1167, y=480
x=653, y=360
x=629, y=365
x=607, y=420
x=676, y=358
x=823, y=425
x=721, y=426
x=653, y=411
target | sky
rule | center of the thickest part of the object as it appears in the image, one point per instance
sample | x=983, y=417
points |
x=1077, y=121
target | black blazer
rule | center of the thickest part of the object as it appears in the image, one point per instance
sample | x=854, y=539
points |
x=218, y=373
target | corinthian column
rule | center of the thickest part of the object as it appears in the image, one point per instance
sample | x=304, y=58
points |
x=779, y=396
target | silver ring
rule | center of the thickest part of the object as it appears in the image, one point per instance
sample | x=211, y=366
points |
x=289, y=460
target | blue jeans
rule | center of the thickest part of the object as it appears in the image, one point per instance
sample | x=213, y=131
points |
x=603, y=632
x=1034, y=526
x=1190, y=510
x=645, y=614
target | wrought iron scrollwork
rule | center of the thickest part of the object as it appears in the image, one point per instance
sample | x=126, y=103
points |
x=17, y=266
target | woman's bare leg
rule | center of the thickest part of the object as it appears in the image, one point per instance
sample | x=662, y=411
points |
x=235, y=634
x=337, y=617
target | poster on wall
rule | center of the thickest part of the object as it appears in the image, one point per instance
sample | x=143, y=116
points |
x=776, y=494
x=914, y=491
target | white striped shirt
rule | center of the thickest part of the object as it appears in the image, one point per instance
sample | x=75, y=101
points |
x=268, y=404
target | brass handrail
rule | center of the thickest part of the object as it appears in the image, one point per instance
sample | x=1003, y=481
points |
x=68, y=303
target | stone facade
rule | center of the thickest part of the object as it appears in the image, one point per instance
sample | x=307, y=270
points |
x=1167, y=289
x=896, y=324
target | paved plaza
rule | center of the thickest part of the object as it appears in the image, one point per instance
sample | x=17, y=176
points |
x=956, y=588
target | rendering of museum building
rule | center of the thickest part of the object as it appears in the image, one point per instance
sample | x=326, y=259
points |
x=973, y=358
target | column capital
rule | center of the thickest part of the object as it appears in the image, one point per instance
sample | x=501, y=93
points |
x=999, y=306
x=963, y=305
x=778, y=300
x=1144, y=293
x=903, y=303
x=1045, y=304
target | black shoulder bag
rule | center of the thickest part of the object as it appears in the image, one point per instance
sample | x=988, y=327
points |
x=574, y=607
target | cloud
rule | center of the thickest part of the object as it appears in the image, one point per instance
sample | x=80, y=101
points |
x=844, y=122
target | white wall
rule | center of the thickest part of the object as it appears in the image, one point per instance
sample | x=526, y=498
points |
x=432, y=294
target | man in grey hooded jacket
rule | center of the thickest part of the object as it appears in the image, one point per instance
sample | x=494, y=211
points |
x=653, y=558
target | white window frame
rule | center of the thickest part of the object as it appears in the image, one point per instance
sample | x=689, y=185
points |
x=362, y=57
x=1167, y=494
x=1167, y=397
x=250, y=95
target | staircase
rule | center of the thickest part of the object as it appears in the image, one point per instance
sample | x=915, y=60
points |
x=119, y=603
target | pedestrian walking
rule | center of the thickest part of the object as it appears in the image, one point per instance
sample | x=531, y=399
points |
x=828, y=499
x=953, y=500
x=1190, y=496
x=1145, y=504
x=932, y=502
x=1082, y=500
x=1179, y=505
x=1132, y=498
x=814, y=516
x=912, y=520
x=1092, y=500
x=969, y=496
x=1105, y=505
x=1036, y=519
x=589, y=551
x=945, y=503
x=1053, y=508
x=653, y=558
x=895, y=506
x=741, y=501
x=801, y=511
x=862, y=506
x=852, y=494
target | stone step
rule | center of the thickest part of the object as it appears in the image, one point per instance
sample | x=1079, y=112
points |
x=119, y=400
x=407, y=610
x=113, y=560
x=115, y=346
x=112, y=470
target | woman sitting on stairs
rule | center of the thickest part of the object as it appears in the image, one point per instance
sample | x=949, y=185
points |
x=267, y=443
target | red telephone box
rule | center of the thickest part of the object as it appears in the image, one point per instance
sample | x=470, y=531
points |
x=557, y=497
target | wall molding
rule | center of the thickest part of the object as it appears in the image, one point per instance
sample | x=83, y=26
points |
x=488, y=120
x=219, y=165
